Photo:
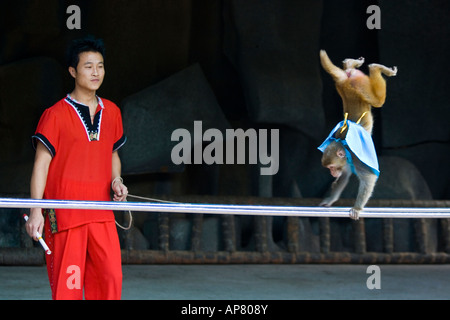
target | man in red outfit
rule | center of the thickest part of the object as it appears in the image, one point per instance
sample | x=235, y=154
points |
x=76, y=144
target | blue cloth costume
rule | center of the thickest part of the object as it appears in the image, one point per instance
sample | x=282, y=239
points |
x=358, y=141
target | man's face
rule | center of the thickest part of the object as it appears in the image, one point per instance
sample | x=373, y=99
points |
x=90, y=71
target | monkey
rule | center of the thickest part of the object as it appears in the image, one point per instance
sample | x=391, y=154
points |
x=358, y=91
x=349, y=147
x=342, y=163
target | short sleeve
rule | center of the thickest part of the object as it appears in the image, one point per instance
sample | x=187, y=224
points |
x=47, y=132
x=119, y=137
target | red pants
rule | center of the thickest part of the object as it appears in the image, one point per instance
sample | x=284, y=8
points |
x=87, y=256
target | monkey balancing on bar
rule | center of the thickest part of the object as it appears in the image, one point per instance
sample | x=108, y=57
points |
x=41, y=241
x=358, y=141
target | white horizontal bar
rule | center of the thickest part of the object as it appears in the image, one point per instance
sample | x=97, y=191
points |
x=334, y=212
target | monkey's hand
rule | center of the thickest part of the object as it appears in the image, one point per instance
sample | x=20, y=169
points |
x=354, y=213
x=327, y=202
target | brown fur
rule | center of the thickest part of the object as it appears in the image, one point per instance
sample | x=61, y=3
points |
x=358, y=91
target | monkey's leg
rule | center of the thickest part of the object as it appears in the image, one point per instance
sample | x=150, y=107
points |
x=352, y=63
x=336, y=73
x=390, y=72
x=375, y=94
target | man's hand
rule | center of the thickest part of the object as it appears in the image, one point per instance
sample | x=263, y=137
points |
x=35, y=223
x=119, y=189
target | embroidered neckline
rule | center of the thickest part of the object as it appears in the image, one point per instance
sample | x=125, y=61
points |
x=82, y=110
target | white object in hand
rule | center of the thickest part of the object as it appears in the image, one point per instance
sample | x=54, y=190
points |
x=39, y=236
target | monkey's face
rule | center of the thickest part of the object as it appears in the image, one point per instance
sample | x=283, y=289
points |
x=334, y=159
x=335, y=170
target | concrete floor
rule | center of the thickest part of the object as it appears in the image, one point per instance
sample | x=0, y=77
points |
x=250, y=282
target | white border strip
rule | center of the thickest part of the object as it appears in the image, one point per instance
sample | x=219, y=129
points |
x=334, y=212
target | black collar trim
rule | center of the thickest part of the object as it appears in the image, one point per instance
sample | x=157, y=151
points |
x=92, y=129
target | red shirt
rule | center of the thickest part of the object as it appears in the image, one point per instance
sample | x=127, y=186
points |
x=82, y=157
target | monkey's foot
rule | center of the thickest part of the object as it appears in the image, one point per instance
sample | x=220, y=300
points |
x=354, y=213
x=393, y=71
x=353, y=63
x=390, y=72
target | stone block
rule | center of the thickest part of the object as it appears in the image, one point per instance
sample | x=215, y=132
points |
x=274, y=46
x=151, y=116
x=412, y=38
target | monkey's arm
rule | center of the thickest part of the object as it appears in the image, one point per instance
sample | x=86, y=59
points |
x=367, y=181
x=337, y=187
x=336, y=73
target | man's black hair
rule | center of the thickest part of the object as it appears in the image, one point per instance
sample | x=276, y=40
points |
x=88, y=44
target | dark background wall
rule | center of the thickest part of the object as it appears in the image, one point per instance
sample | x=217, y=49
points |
x=236, y=64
